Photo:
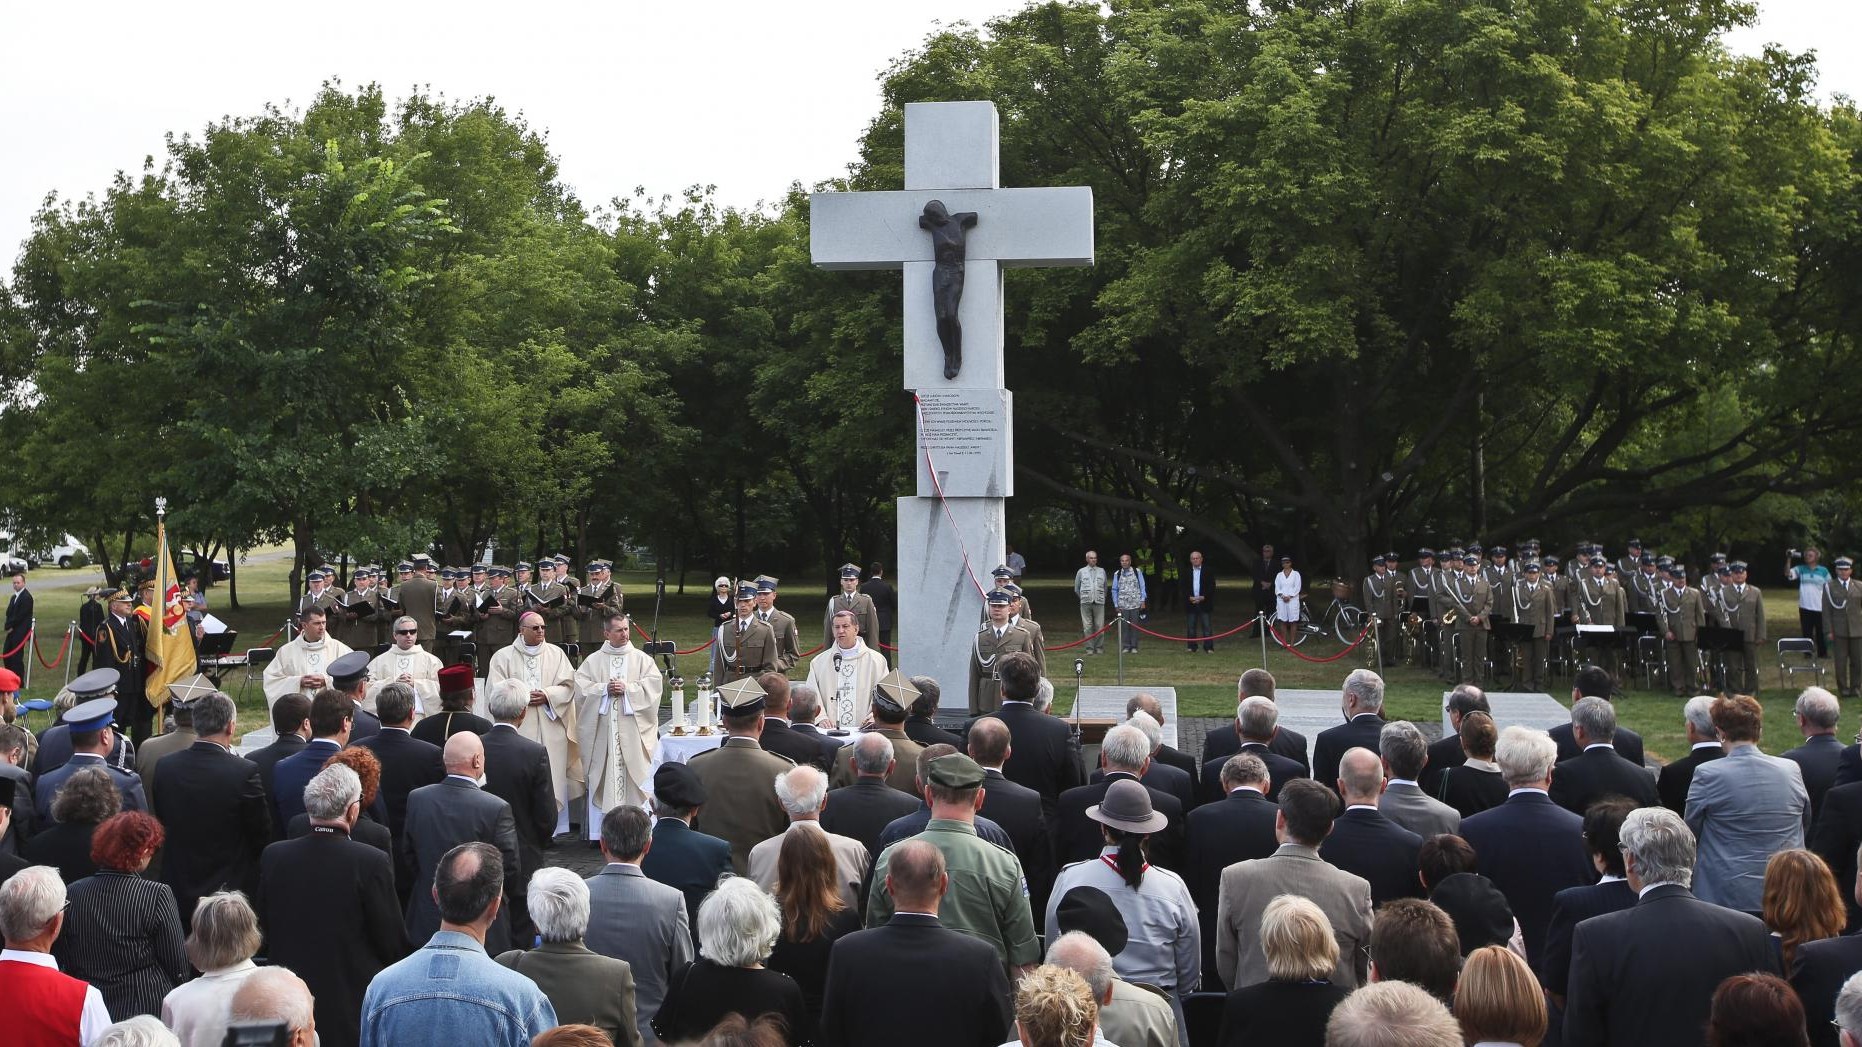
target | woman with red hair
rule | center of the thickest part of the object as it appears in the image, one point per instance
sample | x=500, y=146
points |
x=123, y=933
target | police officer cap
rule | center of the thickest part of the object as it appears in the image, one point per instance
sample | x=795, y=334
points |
x=523, y=565
x=742, y=697
x=1378, y=561
x=96, y=683
x=350, y=669
x=1844, y=562
x=848, y=570
x=1000, y=596
x=677, y=785
x=1092, y=911
x=956, y=771
x=92, y=715
x=1737, y=566
x=1532, y=567
x=895, y=693
x=1002, y=571
x=746, y=591
x=766, y=584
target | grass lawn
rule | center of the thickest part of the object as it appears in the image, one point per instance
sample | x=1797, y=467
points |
x=1205, y=683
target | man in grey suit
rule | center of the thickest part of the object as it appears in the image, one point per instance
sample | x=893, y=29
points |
x=444, y=815
x=1406, y=753
x=636, y=919
x=1743, y=808
x=585, y=987
x=1305, y=819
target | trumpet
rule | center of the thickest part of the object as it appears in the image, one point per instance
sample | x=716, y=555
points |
x=1449, y=617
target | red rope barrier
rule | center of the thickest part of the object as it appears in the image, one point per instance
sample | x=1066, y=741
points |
x=20, y=647
x=1108, y=627
x=810, y=654
x=699, y=648
x=267, y=642
x=1305, y=658
x=55, y=662
x=1192, y=639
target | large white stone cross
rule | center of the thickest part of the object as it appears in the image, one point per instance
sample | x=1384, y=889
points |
x=964, y=423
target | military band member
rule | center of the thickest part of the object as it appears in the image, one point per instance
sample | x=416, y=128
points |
x=1561, y=587
x=746, y=645
x=1470, y=601
x=496, y=616
x=1018, y=615
x=560, y=564
x=850, y=598
x=1498, y=573
x=1645, y=587
x=782, y=623
x=1380, y=599
x=1420, y=584
x=619, y=689
x=1682, y=615
x=1539, y=609
x=845, y=673
x=1596, y=599
x=542, y=669
x=1843, y=614
x=405, y=662
x=596, y=603
x=352, y=618
x=318, y=592
x=1742, y=607
x=303, y=665
x=456, y=613
x=996, y=638
x=1631, y=561
x=554, y=601
x=1715, y=576
x=419, y=597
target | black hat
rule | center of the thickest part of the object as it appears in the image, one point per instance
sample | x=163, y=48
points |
x=1479, y=910
x=1646, y=560
x=1675, y=570
x=678, y=786
x=1598, y=561
x=1635, y=543
x=1498, y=550
x=1551, y=560
x=350, y=669
x=1090, y=910
x=1717, y=558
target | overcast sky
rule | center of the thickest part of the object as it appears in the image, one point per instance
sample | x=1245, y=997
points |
x=746, y=95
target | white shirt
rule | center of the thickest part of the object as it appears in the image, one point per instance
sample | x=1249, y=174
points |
x=197, y=1010
x=95, y=1017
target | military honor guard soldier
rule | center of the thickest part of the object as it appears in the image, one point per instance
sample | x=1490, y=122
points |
x=1843, y=614
x=850, y=598
x=1380, y=597
x=1019, y=616
x=782, y=623
x=746, y=645
x=1742, y=607
x=1682, y=615
x=997, y=637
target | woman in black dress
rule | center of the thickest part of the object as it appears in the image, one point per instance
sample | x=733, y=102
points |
x=123, y=933
x=1291, y=1007
x=814, y=915
x=86, y=800
x=737, y=928
x=1476, y=785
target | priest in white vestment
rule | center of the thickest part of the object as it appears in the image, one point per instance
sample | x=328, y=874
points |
x=303, y=665
x=544, y=670
x=409, y=663
x=845, y=674
x=617, y=691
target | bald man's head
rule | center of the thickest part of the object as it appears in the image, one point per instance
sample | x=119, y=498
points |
x=274, y=994
x=989, y=741
x=915, y=877
x=464, y=754
x=1361, y=776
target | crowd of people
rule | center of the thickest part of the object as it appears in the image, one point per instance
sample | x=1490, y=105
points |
x=381, y=872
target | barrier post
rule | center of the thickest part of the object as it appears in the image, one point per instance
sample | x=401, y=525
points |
x=32, y=629
x=71, y=639
x=1121, y=648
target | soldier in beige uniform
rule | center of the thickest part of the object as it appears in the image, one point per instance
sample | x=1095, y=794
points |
x=455, y=614
x=850, y=598
x=496, y=615
x=1842, y=612
x=1470, y=601
x=996, y=638
x=420, y=599
x=1682, y=614
x=1742, y=607
x=1379, y=595
x=596, y=603
x=746, y=645
x=551, y=600
x=740, y=775
x=1539, y=609
x=1596, y=599
x=353, y=617
x=1018, y=615
x=1005, y=579
x=319, y=594
x=782, y=623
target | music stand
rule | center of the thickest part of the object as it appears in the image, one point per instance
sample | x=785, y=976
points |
x=1715, y=640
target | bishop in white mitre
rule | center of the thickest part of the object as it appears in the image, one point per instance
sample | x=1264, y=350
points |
x=547, y=677
x=406, y=662
x=845, y=674
x=303, y=665
x=618, y=692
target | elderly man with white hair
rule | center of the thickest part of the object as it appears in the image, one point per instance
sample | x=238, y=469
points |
x=1159, y=775
x=1361, y=700
x=274, y=994
x=1817, y=713
x=406, y=662
x=1125, y=753
x=1128, y=1015
x=44, y=1006
x=143, y=1030
x=803, y=793
x=585, y=987
x=1703, y=745
x=1530, y=847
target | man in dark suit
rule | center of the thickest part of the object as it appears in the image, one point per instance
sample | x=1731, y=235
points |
x=1225, y=741
x=920, y=726
x=1703, y=741
x=1836, y=836
x=1818, y=971
x=1645, y=976
x=778, y=737
x=290, y=730
x=1255, y=723
x=18, y=621
x=1817, y=713
x=328, y=908
x=885, y=603
x=1125, y=753
x=1016, y=808
x=517, y=771
x=1603, y=826
x=1042, y=755
x=877, y=976
x=1199, y=603
x=329, y=732
x=407, y=763
x=804, y=712
x=1362, y=701
x=443, y=816
x=1447, y=752
x=1598, y=771
x=1593, y=681
x=213, y=809
x=679, y=855
x=864, y=809
x=1168, y=755
x=1364, y=842
x=1237, y=828
x=1159, y=775
x=1530, y=847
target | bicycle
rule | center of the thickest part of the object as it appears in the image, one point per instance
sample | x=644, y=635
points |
x=1340, y=618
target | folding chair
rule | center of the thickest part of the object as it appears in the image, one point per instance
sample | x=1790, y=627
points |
x=574, y=651
x=1202, y=1017
x=1798, y=654
x=1654, y=658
